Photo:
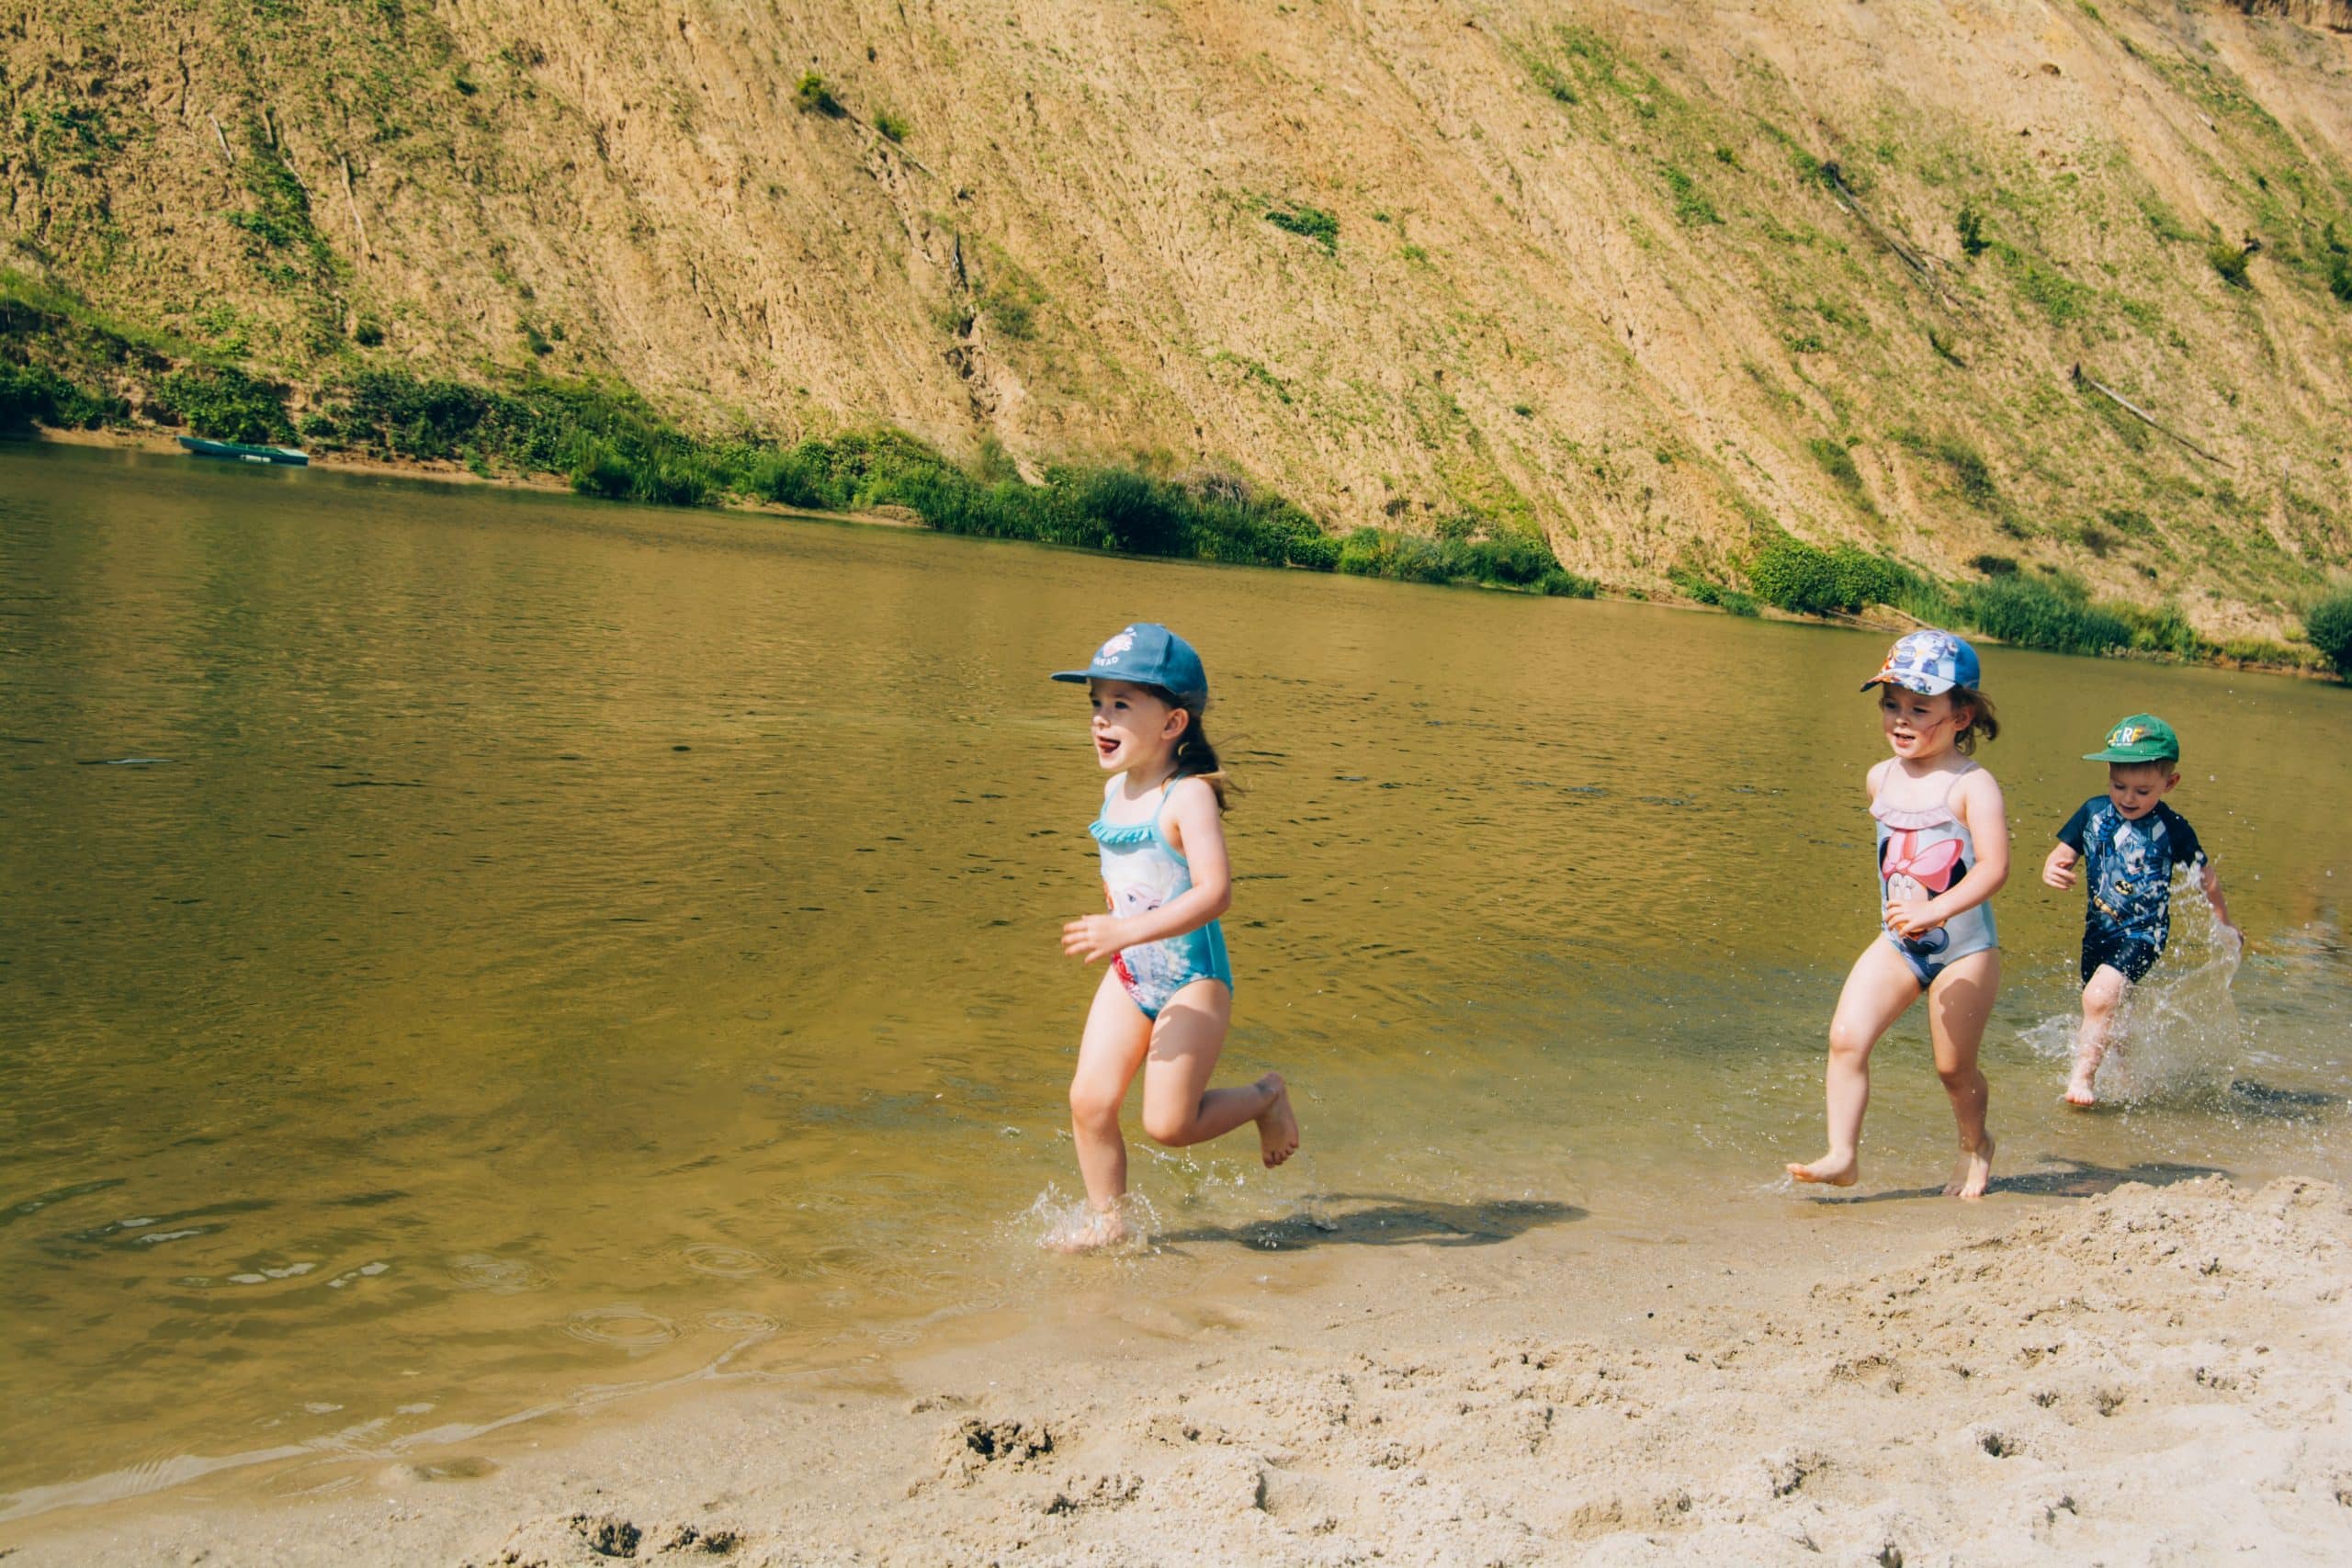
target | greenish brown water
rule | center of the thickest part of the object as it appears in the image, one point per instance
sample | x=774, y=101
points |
x=461, y=949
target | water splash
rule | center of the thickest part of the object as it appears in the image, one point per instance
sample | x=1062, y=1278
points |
x=1060, y=1222
x=2178, y=1034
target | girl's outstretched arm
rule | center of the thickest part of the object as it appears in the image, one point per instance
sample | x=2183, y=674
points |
x=1199, y=834
x=1977, y=801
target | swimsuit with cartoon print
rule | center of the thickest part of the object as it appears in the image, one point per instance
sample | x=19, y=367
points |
x=1922, y=854
x=2127, y=871
x=1142, y=871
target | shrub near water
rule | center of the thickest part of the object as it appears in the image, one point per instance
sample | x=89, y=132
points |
x=2033, y=613
x=32, y=394
x=1809, y=580
x=226, y=404
x=2329, y=626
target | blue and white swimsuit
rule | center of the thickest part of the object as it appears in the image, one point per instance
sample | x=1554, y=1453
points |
x=1920, y=855
x=1142, y=871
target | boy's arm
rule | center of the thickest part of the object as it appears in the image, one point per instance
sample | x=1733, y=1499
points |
x=2058, y=869
x=2211, y=882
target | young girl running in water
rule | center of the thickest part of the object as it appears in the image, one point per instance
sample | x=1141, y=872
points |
x=1165, y=1002
x=1943, y=850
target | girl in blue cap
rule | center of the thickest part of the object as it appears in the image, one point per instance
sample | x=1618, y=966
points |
x=1164, y=1005
x=1944, y=852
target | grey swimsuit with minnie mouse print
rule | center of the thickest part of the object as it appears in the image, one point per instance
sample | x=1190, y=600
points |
x=1920, y=855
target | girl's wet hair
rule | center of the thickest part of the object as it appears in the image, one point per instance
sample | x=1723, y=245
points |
x=1195, y=753
x=1984, y=723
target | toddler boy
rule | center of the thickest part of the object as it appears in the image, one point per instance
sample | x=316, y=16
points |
x=2131, y=840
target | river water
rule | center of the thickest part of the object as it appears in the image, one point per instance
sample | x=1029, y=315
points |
x=461, y=950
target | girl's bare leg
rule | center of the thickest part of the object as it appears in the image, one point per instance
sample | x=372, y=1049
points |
x=1959, y=1005
x=1179, y=1107
x=1117, y=1035
x=1878, y=988
x=2101, y=998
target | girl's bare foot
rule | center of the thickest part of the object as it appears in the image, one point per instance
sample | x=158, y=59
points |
x=1974, y=1173
x=1101, y=1228
x=1278, y=1123
x=1830, y=1170
x=2078, y=1086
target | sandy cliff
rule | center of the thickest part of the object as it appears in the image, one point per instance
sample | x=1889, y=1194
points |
x=1640, y=273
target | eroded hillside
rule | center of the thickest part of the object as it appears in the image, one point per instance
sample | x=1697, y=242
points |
x=1642, y=275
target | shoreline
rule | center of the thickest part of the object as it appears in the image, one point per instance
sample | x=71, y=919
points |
x=160, y=441
x=2149, y=1372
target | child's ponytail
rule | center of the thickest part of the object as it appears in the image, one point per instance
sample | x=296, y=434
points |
x=1984, y=723
x=1195, y=752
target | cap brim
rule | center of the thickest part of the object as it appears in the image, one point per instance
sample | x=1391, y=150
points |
x=1081, y=675
x=1929, y=691
x=2113, y=756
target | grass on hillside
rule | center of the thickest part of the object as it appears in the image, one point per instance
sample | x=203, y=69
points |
x=609, y=442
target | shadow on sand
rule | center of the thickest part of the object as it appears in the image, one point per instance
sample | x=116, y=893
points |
x=1359, y=1219
x=2075, y=1180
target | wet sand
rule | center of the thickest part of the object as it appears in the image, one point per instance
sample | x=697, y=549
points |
x=2152, y=1374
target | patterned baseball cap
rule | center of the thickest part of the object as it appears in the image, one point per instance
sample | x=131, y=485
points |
x=1149, y=655
x=1930, y=662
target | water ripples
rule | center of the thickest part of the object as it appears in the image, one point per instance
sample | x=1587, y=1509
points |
x=625, y=1326
x=717, y=1260
x=498, y=1276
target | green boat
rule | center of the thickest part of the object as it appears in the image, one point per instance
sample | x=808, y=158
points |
x=237, y=451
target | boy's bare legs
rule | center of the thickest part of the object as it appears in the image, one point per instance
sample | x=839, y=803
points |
x=1180, y=1109
x=1959, y=1005
x=2102, y=999
x=1117, y=1035
x=1878, y=988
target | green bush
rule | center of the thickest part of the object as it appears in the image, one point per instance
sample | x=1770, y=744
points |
x=814, y=96
x=1696, y=587
x=1971, y=224
x=1795, y=576
x=607, y=442
x=2329, y=626
x=2162, y=630
x=226, y=404
x=892, y=126
x=1318, y=552
x=2031, y=611
x=1310, y=222
x=36, y=395
x=2230, y=261
x=1809, y=580
x=1836, y=462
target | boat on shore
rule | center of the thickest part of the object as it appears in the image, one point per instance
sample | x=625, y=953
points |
x=239, y=451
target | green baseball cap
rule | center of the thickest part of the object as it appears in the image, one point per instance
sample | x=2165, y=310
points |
x=2143, y=738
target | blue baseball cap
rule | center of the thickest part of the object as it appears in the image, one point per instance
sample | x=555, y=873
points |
x=1930, y=662
x=1149, y=654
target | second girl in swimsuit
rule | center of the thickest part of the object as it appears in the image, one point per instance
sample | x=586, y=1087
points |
x=1164, y=1004
x=1944, y=852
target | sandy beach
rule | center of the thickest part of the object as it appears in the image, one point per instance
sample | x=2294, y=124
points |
x=2150, y=1375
